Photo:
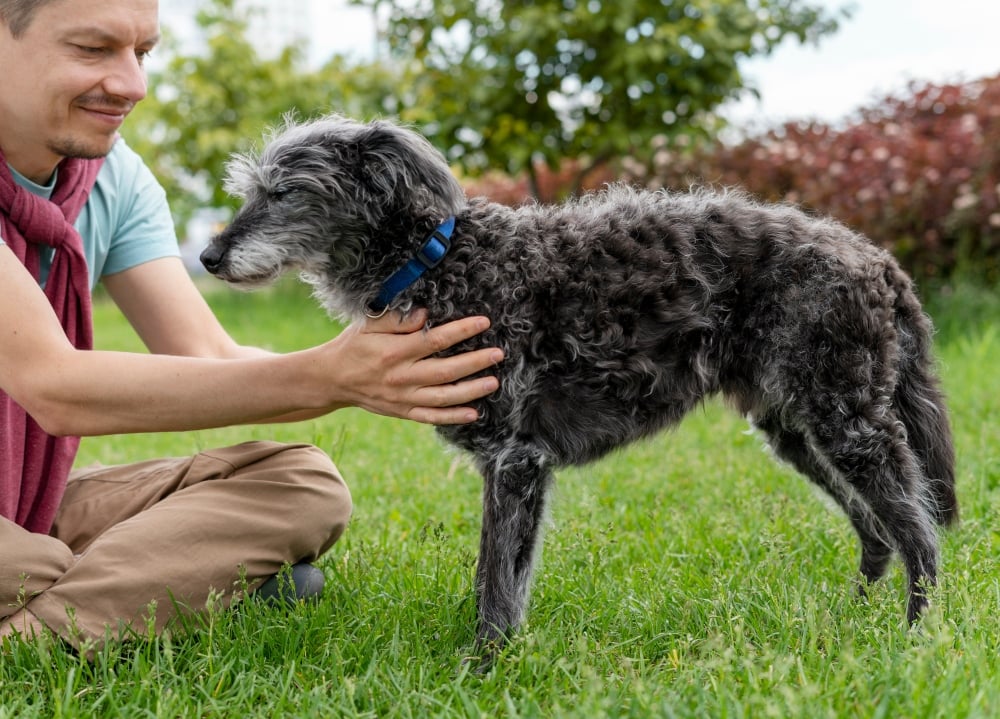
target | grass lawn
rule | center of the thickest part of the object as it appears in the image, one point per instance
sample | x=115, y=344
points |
x=687, y=576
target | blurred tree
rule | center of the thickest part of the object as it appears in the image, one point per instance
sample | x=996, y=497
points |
x=203, y=107
x=505, y=85
x=494, y=85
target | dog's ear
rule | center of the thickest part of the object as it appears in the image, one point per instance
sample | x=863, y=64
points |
x=407, y=174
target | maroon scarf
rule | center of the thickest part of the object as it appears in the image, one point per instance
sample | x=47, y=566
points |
x=34, y=466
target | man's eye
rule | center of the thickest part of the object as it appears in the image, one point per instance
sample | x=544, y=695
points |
x=89, y=50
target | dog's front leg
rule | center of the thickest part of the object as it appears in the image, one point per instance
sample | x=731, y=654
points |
x=516, y=482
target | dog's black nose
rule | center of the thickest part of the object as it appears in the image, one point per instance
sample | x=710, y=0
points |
x=211, y=258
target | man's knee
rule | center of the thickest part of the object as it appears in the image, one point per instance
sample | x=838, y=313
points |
x=323, y=506
x=30, y=563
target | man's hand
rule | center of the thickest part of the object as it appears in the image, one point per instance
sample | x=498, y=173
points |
x=387, y=366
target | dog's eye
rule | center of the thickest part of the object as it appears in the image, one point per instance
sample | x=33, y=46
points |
x=279, y=192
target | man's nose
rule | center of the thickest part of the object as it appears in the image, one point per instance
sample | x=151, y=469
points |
x=127, y=78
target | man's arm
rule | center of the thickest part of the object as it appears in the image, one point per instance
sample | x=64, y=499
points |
x=169, y=313
x=171, y=317
x=383, y=366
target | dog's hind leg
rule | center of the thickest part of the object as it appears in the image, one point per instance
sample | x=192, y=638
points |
x=869, y=450
x=516, y=481
x=791, y=446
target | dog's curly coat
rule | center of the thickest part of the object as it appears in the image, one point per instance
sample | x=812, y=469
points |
x=618, y=313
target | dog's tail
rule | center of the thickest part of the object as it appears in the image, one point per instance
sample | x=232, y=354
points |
x=920, y=402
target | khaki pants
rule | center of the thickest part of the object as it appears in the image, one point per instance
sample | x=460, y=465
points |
x=168, y=533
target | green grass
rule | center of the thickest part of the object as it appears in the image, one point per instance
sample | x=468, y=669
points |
x=688, y=576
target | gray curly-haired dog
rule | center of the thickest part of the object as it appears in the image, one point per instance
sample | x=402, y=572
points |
x=618, y=313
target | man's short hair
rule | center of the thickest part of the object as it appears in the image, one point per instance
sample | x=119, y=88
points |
x=18, y=14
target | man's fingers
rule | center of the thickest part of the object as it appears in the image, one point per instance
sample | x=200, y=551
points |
x=454, y=395
x=450, y=415
x=439, y=338
x=446, y=404
x=442, y=337
x=434, y=340
x=446, y=370
x=394, y=324
x=442, y=400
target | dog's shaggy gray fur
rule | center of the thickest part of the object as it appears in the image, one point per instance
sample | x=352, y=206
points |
x=618, y=313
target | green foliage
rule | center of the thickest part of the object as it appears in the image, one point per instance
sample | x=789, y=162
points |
x=203, y=107
x=494, y=85
x=501, y=85
x=686, y=576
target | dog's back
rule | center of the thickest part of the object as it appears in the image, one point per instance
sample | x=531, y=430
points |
x=621, y=311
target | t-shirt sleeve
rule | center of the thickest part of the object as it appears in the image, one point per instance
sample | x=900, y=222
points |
x=143, y=228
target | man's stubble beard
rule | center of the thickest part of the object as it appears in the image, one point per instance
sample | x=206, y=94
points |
x=68, y=146
x=71, y=147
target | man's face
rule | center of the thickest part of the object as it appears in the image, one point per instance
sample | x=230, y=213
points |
x=71, y=78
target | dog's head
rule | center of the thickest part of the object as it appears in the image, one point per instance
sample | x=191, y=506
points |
x=329, y=196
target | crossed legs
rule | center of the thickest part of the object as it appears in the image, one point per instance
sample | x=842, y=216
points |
x=162, y=537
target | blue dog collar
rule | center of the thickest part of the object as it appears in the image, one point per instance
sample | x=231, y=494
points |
x=429, y=256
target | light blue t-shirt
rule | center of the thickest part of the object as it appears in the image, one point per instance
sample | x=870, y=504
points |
x=126, y=220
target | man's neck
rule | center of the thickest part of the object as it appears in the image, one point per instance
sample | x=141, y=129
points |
x=37, y=166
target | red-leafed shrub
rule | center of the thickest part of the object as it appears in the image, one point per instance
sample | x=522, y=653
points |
x=919, y=174
x=553, y=185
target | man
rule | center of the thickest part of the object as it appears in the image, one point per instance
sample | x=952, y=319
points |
x=93, y=554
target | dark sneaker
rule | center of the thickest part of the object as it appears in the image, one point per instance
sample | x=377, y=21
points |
x=299, y=582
